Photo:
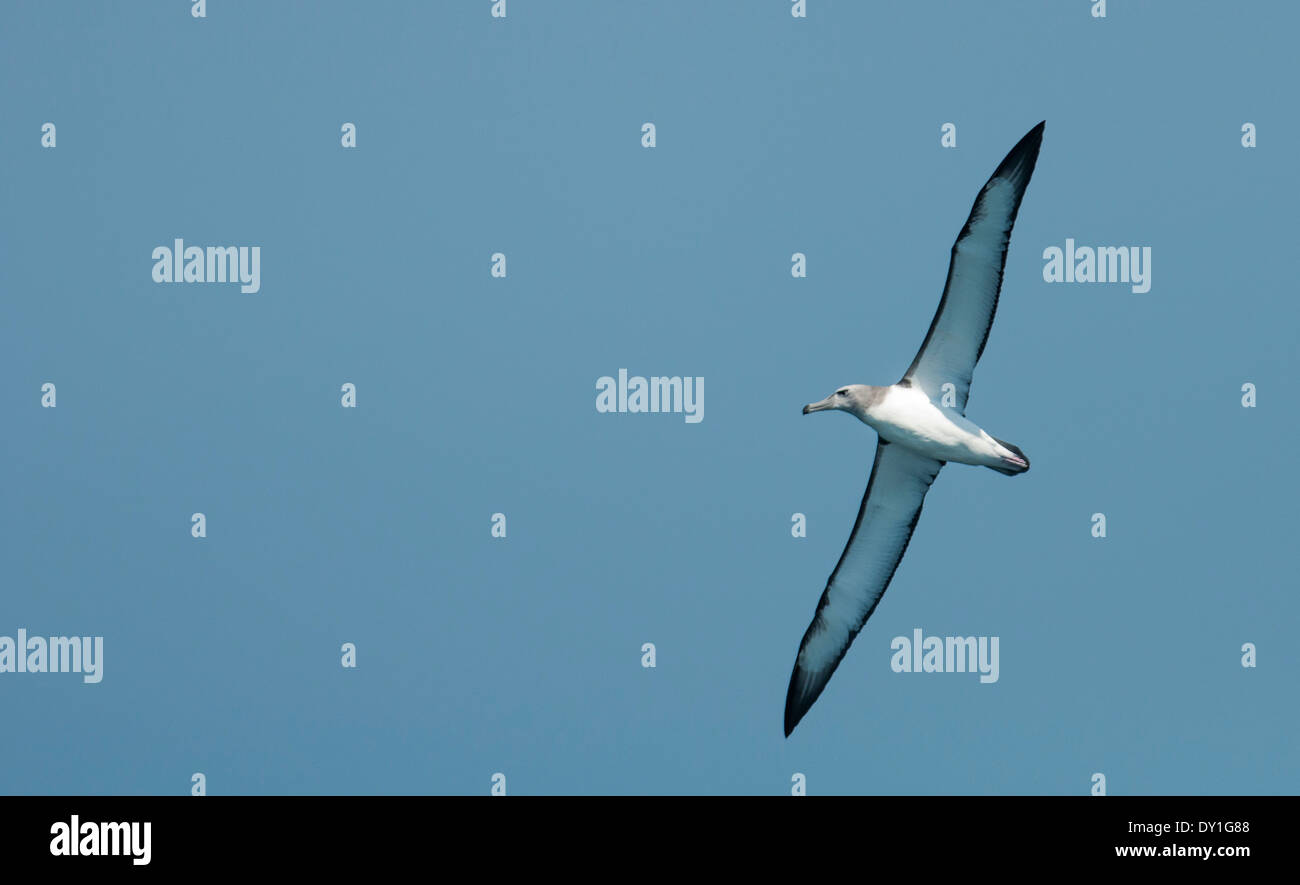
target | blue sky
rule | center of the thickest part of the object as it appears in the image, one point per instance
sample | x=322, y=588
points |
x=476, y=395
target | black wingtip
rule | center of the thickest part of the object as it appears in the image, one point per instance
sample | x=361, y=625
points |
x=797, y=702
x=1032, y=140
x=792, y=716
x=1018, y=164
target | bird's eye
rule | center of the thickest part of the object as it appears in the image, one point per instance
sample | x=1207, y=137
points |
x=844, y=392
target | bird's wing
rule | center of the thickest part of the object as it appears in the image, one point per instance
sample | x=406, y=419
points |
x=890, y=508
x=961, y=326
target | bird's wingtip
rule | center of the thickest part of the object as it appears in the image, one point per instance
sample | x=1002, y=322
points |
x=794, y=711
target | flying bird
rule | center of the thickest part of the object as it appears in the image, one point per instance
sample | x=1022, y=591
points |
x=921, y=424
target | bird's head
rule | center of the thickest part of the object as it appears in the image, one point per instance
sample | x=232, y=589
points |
x=852, y=398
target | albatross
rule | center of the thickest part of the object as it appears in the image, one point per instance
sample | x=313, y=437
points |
x=921, y=425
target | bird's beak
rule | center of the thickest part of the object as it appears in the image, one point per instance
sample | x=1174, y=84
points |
x=819, y=406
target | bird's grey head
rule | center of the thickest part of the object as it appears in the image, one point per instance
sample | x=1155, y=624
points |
x=856, y=399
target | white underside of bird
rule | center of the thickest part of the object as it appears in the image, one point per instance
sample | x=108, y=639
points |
x=906, y=416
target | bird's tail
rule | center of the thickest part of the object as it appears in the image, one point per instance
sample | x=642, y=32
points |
x=1012, y=466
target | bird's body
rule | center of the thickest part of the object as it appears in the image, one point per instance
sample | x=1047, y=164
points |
x=922, y=425
x=905, y=415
